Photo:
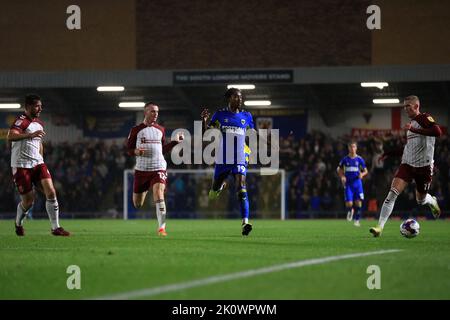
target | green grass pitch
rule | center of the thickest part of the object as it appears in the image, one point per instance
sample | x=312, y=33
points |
x=122, y=256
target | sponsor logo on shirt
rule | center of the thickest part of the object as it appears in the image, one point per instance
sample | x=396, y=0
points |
x=233, y=130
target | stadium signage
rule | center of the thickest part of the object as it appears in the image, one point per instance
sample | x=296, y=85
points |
x=223, y=77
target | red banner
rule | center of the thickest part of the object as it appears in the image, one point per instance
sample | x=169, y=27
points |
x=361, y=132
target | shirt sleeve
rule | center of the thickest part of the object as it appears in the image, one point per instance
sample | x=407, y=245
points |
x=169, y=146
x=341, y=164
x=131, y=142
x=362, y=163
x=214, y=123
x=251, y=124
x=425, y=120
x=19, y=125
x=429, y=126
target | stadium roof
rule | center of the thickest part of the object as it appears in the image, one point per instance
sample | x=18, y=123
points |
x=322, y=88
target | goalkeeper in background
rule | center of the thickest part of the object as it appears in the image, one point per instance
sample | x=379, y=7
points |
x=233, y=122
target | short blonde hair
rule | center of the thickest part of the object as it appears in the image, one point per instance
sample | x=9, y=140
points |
x=413, y=98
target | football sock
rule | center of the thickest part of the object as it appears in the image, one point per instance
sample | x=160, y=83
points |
x=52, y=207
x=349, y=211
x=357, y=214
x=387, y=207
x=161, y=213
x=21, y=214
x=243, y=201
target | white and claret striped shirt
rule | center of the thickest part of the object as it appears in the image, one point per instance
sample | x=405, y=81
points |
x=25, y=153
x=152, y=139
x=419, y=148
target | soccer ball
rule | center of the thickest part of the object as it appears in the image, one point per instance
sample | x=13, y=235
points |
x=410, y=228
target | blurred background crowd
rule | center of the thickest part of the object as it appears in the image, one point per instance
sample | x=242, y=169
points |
x=88, y=177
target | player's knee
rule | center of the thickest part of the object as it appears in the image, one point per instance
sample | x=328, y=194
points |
x=27, y=204
x=137, y=204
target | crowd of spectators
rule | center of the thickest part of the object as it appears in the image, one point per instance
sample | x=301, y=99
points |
x=88, y=178
x=314, y=185
x=84, y=173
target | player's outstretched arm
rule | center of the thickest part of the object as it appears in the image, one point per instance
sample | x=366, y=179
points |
x=169, y=146
x=432, y=131
x=204, y=116
x=16, y=135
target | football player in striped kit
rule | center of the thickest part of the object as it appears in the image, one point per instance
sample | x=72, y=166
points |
x=146, y=142
x=28, y=165
x=417, y=162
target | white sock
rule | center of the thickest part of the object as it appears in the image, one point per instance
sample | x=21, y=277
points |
x=53, y=212
x=387, y=207
x=161, y=213
x=428, y=200
x=245, y=220
x=21, y=214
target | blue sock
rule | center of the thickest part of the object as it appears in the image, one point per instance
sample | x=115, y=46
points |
x=243, y=201
x=357, y=214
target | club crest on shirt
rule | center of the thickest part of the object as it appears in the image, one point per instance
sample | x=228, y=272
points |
x=18, y=123
x=430, y=118
x=225, y=120
x=243, y=121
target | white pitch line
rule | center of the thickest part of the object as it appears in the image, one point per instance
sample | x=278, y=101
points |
x=237, y=275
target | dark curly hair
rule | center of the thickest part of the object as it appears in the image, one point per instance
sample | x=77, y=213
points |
x=230, y=92
x=31, y=99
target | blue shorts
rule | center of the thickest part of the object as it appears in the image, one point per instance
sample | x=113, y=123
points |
x=354, y=191
x=223, y=170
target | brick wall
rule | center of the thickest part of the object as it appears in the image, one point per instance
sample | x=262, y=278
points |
x=251, y=34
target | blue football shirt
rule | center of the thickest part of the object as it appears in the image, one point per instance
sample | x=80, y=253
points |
x=352, y=167
x=233, y=127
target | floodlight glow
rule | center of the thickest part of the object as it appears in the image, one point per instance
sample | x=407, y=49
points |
x=379, y=85
x=110, y=89
x=131, y=104
x=241, y=86
x=9, y=105
x=258, y=103
x=384, y=101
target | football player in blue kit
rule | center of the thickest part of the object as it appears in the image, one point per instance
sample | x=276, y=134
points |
x=352, y=169
x=233, y=153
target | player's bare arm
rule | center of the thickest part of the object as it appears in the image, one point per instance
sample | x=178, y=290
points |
x=16, y=135
x=363, y=173
x=341, y=175
x=204, y=116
